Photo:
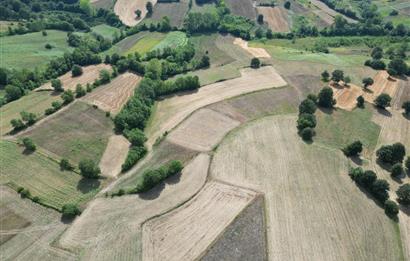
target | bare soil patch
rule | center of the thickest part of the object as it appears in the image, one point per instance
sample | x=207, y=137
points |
x=110, y=228
x=276, y=17
x=90, y=74
x=257, y=52
x=125, y=9
x=114, y=156
x=202, y=130
x=206, y=216
x=171, y=111
x=111, y=97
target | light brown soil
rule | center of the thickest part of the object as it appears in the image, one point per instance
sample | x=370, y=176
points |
x=171, y=111
x=114, y=156
x=125, y=10
x=346, y=96
x=257, y=52
x=382, y=84
x=186, y=232
x=111, y=97
x=314, y=210
x=276, y=18
x=203, y=130
x=90, y=74
x=109, y=229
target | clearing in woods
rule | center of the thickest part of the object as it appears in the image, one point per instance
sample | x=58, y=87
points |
x=206, y=215
x=171, y=111
x=275, y=17
x=114, y=156
x=43, y=177
x=90, y=74
x=122, y=217
x=112, y=96
x=314, y=210
x=125, y=10
x=79, y=132
x=31, y=231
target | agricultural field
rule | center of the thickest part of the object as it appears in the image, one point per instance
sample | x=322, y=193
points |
x=276, y=18
x=146, y=43
x=172, y=40
x=125, y=10
x=257, y=157
x=114, y=156
x=42, y=176
x=28, y=50
x=126, y=44
x=175, y=11
x=401, y=6
x=113, y=96
x=244, y=8
x=79, y=132
x=105, y=31
x=104, y=4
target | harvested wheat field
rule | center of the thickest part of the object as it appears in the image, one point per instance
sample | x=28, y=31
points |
x=28, y=230
x=111, y=97
x=206, y=216
x=276, y=17
x=346, y=96
x=114, y=156
x=125, y=10
x=257, y=52
x=383, y=83
x=171, y=111
x=90, y=74
x=314, y=210
x=322, y=6
x=110, y=228
x=202, y=130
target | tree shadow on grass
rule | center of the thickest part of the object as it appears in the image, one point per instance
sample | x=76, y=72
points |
x=87, y=185
x=405, y=209
x=383, y=112
x=385, y=166
x=67, y=220
x=174, y=179
x=328, y=111
x=357, y=160
x=27, y=152
x=153, y=193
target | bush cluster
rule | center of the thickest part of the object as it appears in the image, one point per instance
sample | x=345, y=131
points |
x=391, y=154
x=306, y=122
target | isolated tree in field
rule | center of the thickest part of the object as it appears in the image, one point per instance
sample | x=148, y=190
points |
x=403, y=194
x=397, y=170
x=391, y=209
x=149, y=7
x=260, y=19
x=360, y=101
x=377, y=53
x=325, y=98
x=76, y=71
x=307, y=106
x=287, y=5
x=397, y=67
x=138, y=13
x=383, y=100
x=406, y=107
x=255, y=63
x=307, y=134
x=325, y=76
x=57, y=85
x=29, y=144
x=353, y=149
x=347, y=80
x=70, y=210
x=66, y=165
x=367, y=82
x=306, y=120
x=89, y=169
x=337, y=76
x=67, y=97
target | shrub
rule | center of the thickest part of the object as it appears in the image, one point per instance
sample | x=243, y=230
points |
x=70, y=210
x=391, y=209
x=29, y=144
x=307, y=106
x=67, y=97
x=307, y=134
x=260, y=19
x=36, y=199
x=79, y=91
x=403, y=194
x=312, y=97
x=383, y=100
x=353, y=149
x=66, y=165
x=367, y=82
x=57, y=85
x=25, y=193
x=325, y=98
x=325, y=76
x=76, y=71
x=396, y=170
x=360, y=101
x=255, y=63
x=89, y=169
x=28, y=117
x=105, y=76
x=306, y=120
x=134, y=155
x=287, y=5
x=17, y=124
x=48, y=46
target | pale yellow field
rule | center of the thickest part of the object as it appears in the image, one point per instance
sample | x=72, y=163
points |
x=114, y=156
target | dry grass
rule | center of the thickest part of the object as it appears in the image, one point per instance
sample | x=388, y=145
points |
x=206, y=216
x=171, y=111
x=90, y=74
x=257, y=52
x=114, y=156
x=125, y=10
x=110, y=229
x=111, y=97
x=314, y=211
x=276, y=18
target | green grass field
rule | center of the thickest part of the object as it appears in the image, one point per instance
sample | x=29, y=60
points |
x=35, y=102
x=173, y=40
x=43, y=177
x=341, y=127
x=105, y=30
x=146, y=43
x=28, y=50
x=80, y=132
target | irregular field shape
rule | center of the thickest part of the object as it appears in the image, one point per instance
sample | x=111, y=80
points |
x=242, y=7
x=206, y=216
x=125, y=10
x=114, y=156
x=171, y=111
x=175, y=11
x=322, y=6
x=314, y=210
x=90, y=74
x=110, y=228
x=257, y=52
x=276, y=18
x=114, y=95
x=202, y=130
